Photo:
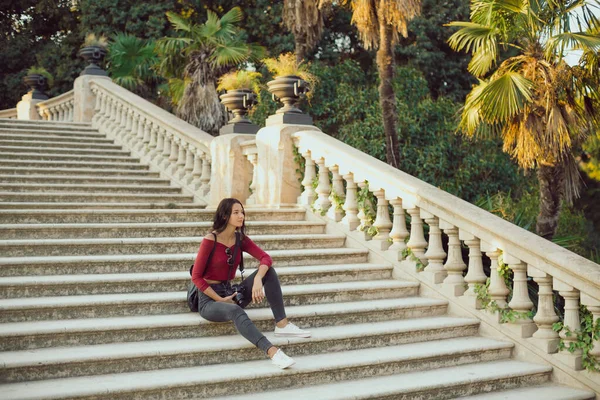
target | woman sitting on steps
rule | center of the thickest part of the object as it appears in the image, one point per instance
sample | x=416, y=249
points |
x=212, y=280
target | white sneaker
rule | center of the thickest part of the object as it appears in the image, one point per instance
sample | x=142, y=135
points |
x=292, y=330
x=282, y=360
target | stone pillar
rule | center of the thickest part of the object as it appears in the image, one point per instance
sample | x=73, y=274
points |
x=593, y=306
x=231, y=171
x=337, y=187
x=309, y=195
x=278, y=184
x=497, y=288
x=382, y=221
x=351, y=203
x=475, y=275
x=85, y=100
x=26, y=108
x=417, y=242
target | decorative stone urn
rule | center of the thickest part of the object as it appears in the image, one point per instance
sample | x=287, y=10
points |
x=238, y=101
x=94, y=55
x=37, y=84
x=288, y=90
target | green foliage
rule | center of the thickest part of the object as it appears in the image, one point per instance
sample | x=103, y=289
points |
x=365, y=200
x=589, y=332
x=241, y=79
x=408, y=254
x=95, y=41
x=506, y=314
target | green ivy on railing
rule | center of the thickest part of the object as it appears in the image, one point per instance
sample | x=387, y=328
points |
x=364, y=197
x=301, y=163
x=585, y=338
x=507, y=314
x=408, y=254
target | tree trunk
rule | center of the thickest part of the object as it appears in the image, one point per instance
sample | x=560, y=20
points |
x=300, y=47
x=387, y=98
x=552, y=183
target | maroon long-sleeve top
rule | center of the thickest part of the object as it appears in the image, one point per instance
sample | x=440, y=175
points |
x=217, y=269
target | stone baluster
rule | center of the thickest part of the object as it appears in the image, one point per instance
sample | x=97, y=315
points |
x=593, y=306
x=137, y=142
x=97, y=108
x=186, y=174
x=417, y=242
x=323, y=189
x=113, y=118
x=309, y=195
x=115, y=126
x=61, y=112
x=101, y=116
x=350, y=204
x=382, y=221
x=106, y=114
x=153, y=143
x=174, y=156
x=205, y=174
x=71, y=109
x=122, y=124
x=144, y=148
x=571, y=325
x=475, y=275
x=497, y=288
x=363, y=213
x=43, y=113
x=253, y=158
x=435, y=254
x=135, y=126
x=166, y=154
x=520, y=302
x=160, y=145
x=399, y=232
x=181, y=159
x=129, y=124
x=197, y=171
x=454, y=282
x=337, y=187
x=545, y=337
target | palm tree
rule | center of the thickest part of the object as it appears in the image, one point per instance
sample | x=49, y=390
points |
x=194, y=61
x=540, y=106
x=130, y=63
x=304, y=18
x=380, y=24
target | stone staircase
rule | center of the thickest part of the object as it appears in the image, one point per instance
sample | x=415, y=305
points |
x=95, y=252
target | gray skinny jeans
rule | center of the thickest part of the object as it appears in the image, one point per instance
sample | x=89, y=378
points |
x=222, y=312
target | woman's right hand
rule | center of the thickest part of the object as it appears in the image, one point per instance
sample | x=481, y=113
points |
x=228, y=299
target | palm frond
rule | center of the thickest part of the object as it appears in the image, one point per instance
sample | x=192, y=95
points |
x=178, y=22
x=557, y=45
x=230, y=19
x=471, y=36
x=504, y=97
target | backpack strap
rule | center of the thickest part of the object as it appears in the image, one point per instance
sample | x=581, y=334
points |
x=211, y=252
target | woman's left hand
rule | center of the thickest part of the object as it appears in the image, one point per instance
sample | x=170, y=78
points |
x=257, y=291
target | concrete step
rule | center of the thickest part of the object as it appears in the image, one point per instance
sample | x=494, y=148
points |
x=84, y=188
x=546, y=392
x=161, y=245
x=184, y=353
x=50, y=143
x=73, y=171
x=100, y=197
x=405, y=384
x=90, y=331
x=67, y=157
x=89, y=216
x=163, y=303
x=121, y=264
x=398, y=375
x=100, y=166
x=54, y=137
x=140, y=230
x=62, y=151
x=89, y=179
x=90, y=205
x=47, y=125
x=76, y=285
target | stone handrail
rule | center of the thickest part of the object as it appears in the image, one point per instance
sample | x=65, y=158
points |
x=552, y=267
x=177, y=149
x=59, y=108
x=10, y=113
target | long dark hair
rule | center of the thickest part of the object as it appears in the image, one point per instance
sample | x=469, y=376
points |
x=223, y=214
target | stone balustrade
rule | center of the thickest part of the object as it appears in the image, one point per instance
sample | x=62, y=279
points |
x=59, y=108
x=530, y=257
x=10, y=113
x=168, y=144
